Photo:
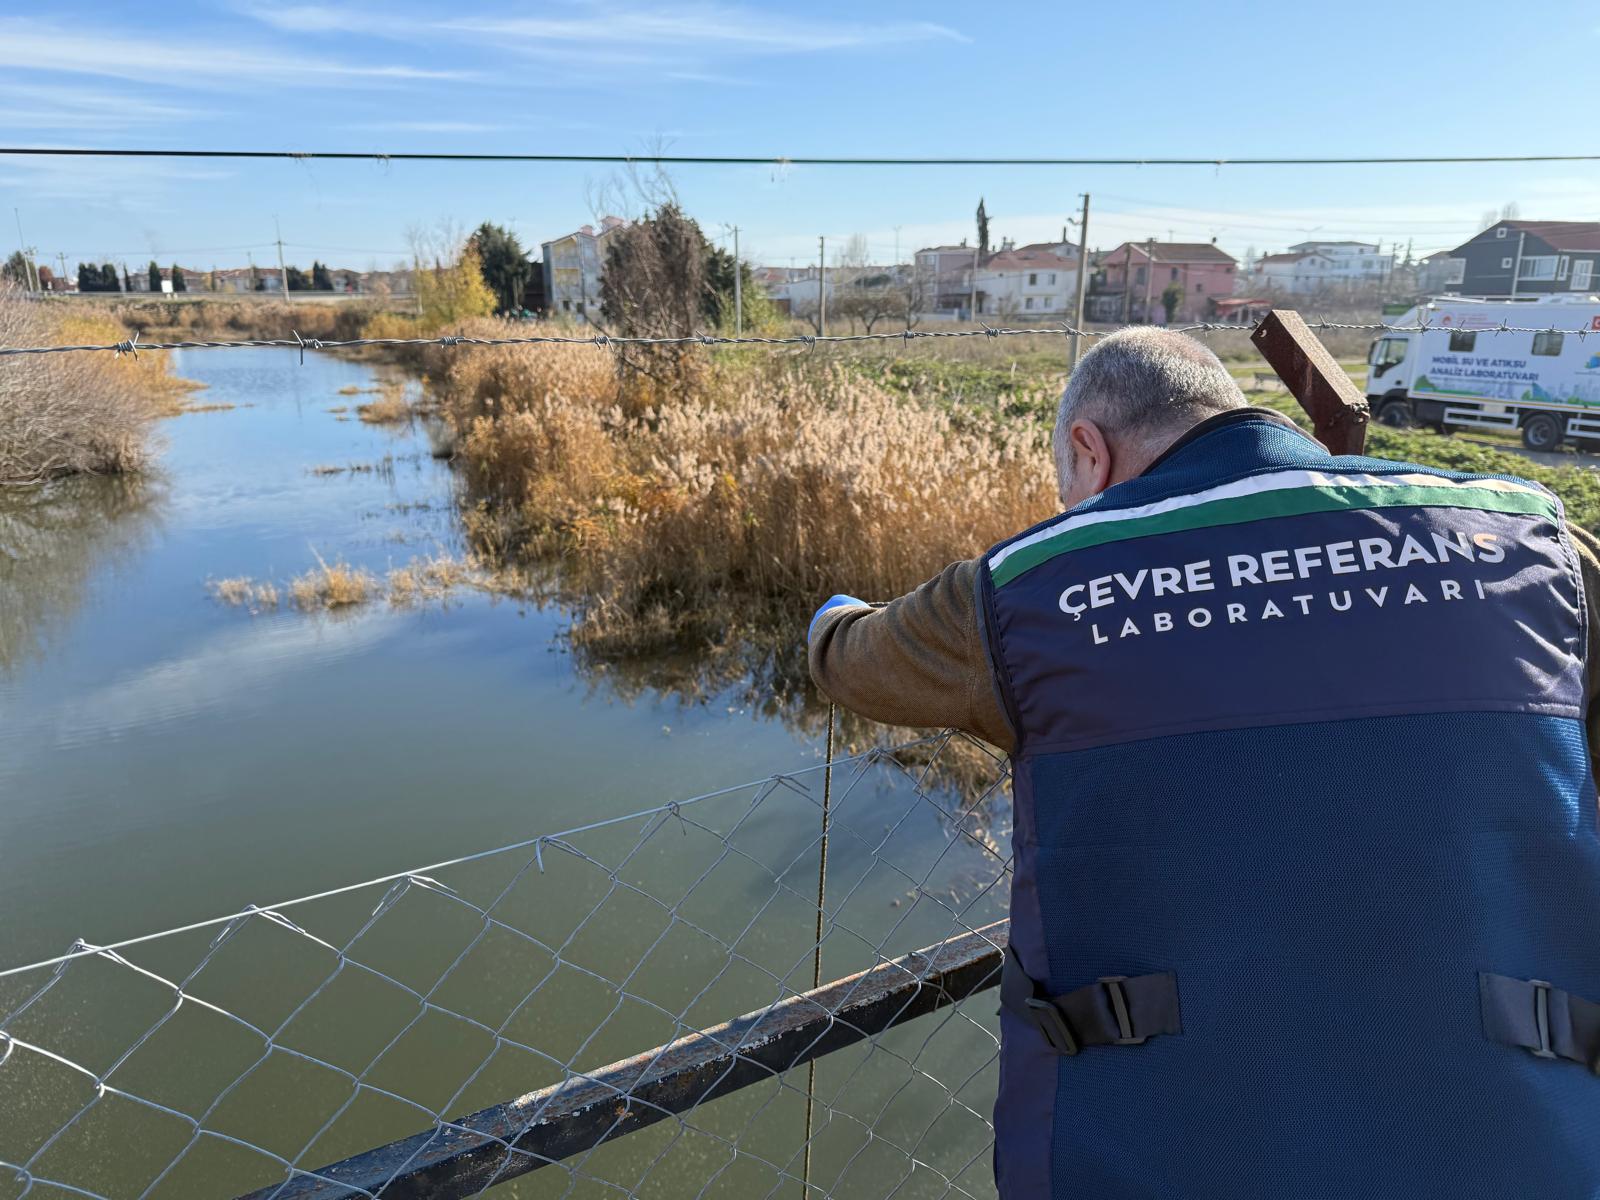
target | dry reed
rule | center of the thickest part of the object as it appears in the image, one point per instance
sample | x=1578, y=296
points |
x=335, y=585
x=391, y=408
x=244, y=592
x=772, y=490
x=66, y=414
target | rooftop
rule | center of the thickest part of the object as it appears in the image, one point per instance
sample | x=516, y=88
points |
x=1026, y=258
x=1560, y=235
x=1177, y=252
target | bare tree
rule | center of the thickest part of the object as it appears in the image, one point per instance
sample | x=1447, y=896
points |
x=1509, y=211
x=858, y=291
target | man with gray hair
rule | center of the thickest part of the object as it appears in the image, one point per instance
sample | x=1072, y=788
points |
x=1306, y=874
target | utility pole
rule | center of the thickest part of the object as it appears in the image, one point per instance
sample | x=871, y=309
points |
x=1149, y=274
x=283, y=271
x=61, y=257
x=1083, y=279
x=30, y=278
x=822, y=287
x=1516, y=267
x=738, y=292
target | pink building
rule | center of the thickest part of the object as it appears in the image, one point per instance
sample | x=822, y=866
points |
x=1203, y=273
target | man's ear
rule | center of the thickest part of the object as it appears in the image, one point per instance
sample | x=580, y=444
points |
x=1092, y=460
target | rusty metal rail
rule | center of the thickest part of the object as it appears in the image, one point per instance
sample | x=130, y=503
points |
x=541, y=1128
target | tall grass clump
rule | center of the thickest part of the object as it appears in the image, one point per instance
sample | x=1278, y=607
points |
x=71, y=414
x=739, y=507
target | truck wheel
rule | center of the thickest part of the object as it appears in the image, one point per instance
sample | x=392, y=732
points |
x=1395, y=413
x=1541, y=432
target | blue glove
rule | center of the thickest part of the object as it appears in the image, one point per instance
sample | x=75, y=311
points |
x=833, y=602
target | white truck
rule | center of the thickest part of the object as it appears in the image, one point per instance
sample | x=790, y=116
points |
x=1464, y=373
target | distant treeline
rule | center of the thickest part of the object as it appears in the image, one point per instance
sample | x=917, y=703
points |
x=105, y=278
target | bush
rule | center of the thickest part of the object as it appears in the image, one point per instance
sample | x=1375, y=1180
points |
x=66, y=414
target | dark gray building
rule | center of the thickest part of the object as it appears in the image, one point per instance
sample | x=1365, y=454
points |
x=1526, y=258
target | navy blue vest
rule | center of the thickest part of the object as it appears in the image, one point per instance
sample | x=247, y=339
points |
x=1307, y=733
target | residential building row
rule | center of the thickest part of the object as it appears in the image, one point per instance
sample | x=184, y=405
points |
x=1136, y=281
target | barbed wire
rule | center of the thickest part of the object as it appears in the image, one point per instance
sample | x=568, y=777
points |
x=133, y=345
x=119, y=1104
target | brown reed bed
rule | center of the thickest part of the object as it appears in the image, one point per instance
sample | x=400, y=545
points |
x=772, y=486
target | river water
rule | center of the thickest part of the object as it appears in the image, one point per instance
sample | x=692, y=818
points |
x=166, y=758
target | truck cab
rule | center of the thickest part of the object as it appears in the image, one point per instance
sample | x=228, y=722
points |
x=1388, y=380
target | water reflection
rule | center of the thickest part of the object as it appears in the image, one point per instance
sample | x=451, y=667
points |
x=54, y=539
x=762, y=672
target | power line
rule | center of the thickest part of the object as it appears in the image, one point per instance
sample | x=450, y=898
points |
x=782, y=161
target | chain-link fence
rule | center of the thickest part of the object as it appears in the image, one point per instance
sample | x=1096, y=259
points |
x=504, y=1019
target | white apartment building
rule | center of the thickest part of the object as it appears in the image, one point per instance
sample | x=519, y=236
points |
x=572, y=269
x=1035, y=280
x=1311, y=267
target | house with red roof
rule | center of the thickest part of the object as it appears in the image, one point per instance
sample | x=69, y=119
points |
x=1037, y=280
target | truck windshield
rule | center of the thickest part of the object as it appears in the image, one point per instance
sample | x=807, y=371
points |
x=1389, y=352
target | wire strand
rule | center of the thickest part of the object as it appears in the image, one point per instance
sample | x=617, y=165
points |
x=787, y=161
x=133, y=345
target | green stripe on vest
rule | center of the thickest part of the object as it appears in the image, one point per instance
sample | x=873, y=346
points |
x=1289, y=502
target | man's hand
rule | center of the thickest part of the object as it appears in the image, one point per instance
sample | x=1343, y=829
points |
x=833, y=602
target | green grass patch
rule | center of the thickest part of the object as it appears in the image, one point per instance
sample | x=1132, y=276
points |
x=1578, y=487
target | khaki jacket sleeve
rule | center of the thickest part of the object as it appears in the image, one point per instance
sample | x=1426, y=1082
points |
x=1588, y=548
x=917, y=661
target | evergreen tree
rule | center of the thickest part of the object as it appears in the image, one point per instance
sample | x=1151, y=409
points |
x=320, y=279
x=16, y=269
x=127, y=280
x=155, y=276
x=505, y=265
x=299, y=281
x=88, y=278
x=257, y=284
x=179, y=283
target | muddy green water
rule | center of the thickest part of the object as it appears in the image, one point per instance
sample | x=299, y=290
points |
x=165, y=758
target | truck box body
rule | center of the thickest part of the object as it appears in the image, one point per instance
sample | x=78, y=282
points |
x=1471, y=369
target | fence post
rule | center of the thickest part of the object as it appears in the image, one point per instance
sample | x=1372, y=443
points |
x=816, y=953
x=1337, y=409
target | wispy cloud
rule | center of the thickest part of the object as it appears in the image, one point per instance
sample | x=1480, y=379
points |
x=426, y=126
x=711, y=78
x=25, y=106
x=706, y=26
x=102, y=183
x=38, y=46
x=617, y=35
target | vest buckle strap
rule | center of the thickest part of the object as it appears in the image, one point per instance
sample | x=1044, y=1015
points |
x=1119, y=1008
x=1537, y=1016
x=1053, y=1025
x=1541, y=1018
x=1115, y=1010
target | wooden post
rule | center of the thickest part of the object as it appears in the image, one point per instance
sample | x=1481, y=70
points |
x=1337, y=409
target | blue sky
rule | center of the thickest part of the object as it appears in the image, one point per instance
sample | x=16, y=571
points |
x=826, y=78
